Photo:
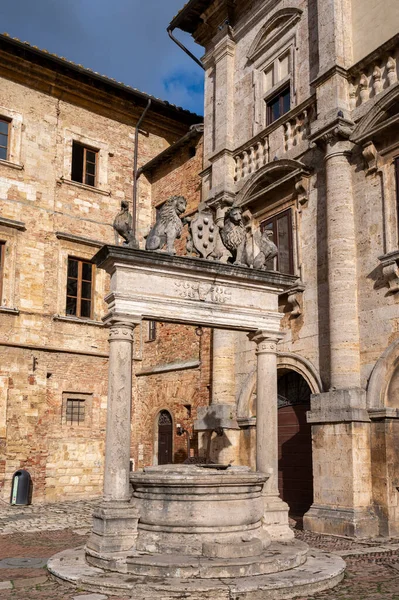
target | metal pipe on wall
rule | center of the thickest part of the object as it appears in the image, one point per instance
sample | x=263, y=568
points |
x=136, y=146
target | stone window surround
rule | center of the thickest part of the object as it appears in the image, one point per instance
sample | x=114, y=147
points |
x=84, y=251
x=14, y=138
x=9, y=231
x=87, y=397
x=286, y=46
x=103, y=149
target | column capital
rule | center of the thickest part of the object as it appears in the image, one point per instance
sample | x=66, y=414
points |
x=121, y=327
x=266, y=341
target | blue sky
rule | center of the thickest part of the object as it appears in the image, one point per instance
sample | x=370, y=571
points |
x=124, y=39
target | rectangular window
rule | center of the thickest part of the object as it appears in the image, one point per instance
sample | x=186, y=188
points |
x=79, y=288
x=278, y=105
x=397, y=190
x=2, y=255
x=75, y=411
x=4, y=135
x=152, y=331
x=84, y=164
x=281, y=227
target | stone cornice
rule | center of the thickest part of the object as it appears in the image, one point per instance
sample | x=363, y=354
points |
x=69, y=237
x=20, y=225
x=335, y=70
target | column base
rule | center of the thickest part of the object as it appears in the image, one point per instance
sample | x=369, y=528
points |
x=114, y=533
x=275, y=519
x=350, y=522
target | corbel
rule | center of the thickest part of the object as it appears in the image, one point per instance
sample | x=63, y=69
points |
x=371, y=157
x=294, y=297
x=390, y=271
x=302, y=186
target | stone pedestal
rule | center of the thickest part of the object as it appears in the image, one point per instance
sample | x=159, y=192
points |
x=115, y=520
x=276, y=511
x=343, y=503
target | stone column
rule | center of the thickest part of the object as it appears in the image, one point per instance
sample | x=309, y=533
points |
x=276, y=511
x=342, y=272
x=340, y=423
x=115, y=521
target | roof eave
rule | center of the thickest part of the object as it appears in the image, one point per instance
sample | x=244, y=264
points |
x=189, y=16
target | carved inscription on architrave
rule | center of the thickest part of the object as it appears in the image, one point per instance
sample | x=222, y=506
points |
x=195, y=290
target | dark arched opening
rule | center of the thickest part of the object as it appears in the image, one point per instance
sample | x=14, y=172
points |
x=295, y=474
x=165, y=438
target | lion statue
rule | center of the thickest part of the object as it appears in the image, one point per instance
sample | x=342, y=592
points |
x=233, y=235
x=267, y=250
x=168, y=226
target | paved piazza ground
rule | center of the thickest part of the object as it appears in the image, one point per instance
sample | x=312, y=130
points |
x=30, y=535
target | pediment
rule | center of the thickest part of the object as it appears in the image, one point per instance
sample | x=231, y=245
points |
x=383, y=116
x=281, y=22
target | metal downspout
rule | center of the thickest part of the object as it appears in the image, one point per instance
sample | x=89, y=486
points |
x=135, y=177
x=176, y=41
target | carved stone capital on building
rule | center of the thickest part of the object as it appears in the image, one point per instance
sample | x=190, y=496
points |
x=121, y=328
x=390, y=271
x=266, y=341
x=371, y=157
x=333, y=139
x=294, y=300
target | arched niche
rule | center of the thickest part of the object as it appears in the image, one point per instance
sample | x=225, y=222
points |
x=286, y=361
x=383, y=386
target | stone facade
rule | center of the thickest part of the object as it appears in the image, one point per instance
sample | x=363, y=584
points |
x=49, y=358
x=300, y=128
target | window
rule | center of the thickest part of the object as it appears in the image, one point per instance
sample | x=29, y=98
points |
x=79, y=288
x=75, y=411
x=397, y=189
x=4, y=134
x=278, y=105
x=2, y=254
x=152, y=330
x=84, y=164
x=281, y=226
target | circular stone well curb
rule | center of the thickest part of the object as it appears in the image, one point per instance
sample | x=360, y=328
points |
x=321, y=571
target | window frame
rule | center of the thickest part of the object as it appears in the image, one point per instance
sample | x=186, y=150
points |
x=79, y=279
x=87, y=398
x=152, y=331
x=278, y=95
x=396, y=167
x=8, y=121
x=86, y=148
x=274, y=219
x=2, y=255
x=79, y=402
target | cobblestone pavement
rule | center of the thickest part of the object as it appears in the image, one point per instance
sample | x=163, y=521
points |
x=30, y=535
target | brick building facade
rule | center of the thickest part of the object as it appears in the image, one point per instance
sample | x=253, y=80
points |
x=67, y=152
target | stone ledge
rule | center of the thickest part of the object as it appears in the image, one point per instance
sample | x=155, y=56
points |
x=176, y=366
x=20, y=225
x=83, y=186
x=69, y=237
x=11, y=165
x=77, y=320
x=339, y=406
x=9, y=311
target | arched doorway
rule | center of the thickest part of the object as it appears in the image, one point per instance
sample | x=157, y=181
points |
x=165, y=438
x=295, y=474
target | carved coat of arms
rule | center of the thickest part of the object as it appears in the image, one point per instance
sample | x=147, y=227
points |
x=204, y=232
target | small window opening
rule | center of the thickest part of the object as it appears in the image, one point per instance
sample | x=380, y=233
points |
x=152, y=331
x=84, y=164
x=4, y=138
x=75, y=411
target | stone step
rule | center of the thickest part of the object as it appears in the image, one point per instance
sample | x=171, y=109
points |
x=277, y=557
x=321, y=571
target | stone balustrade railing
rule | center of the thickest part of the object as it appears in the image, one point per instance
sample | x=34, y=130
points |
x=251, y=159
x=373, y=78
x=297, y=129
x=285, y=133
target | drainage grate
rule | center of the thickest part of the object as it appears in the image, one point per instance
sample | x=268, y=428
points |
x=27, y=563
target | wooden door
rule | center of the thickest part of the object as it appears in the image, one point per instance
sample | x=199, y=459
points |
x=165, y=438
x=294, y=443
